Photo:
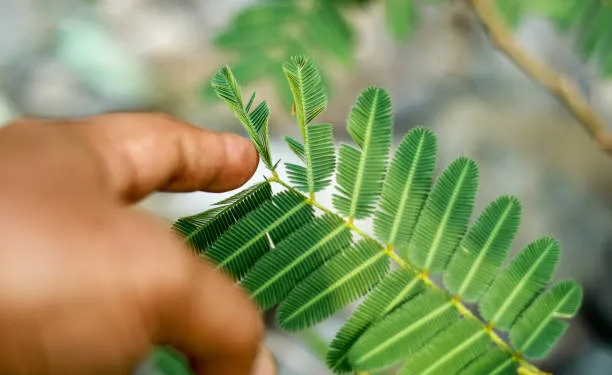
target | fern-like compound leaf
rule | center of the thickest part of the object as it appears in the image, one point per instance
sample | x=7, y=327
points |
x=281, y=254
x=540, y=326
x=400, y=286
x=247, y=241
x=445, y=217
x=483, y=250
x=255, y=123
x=405, y=188
x=360, y=172
x=520, y=282
x=296, y=257
x=201, y=230
x=320, y=159
x=307, y=87
x=453, y=349
x=403, y=332
x=337, y=283
x=494, y=362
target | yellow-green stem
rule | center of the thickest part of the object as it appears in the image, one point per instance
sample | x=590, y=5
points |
x=526, y=368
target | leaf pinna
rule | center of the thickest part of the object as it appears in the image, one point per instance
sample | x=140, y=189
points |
x=317, y=152
x=256, y=122
x=286, y=250
x=405, y=188
x=310, y=98
x=360, y=172
x=397, y=288
x=202, y=230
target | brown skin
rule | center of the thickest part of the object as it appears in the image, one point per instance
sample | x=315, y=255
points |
x=87, y=284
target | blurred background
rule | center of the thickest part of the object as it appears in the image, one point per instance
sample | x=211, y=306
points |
x=64, y=58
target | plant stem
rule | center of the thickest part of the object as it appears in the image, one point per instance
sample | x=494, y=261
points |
x=557, y=85
x=526, y=368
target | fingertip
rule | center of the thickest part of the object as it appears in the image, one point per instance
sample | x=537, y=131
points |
x=242, y=161
x=143, y=153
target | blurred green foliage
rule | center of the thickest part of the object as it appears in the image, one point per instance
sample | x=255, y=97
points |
x=267, y=32
x=168, y=361
x=589, y=22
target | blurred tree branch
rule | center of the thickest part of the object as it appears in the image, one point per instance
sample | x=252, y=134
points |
x=558, y=85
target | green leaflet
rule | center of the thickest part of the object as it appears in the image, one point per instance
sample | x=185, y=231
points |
x=251, y=101
x=539, y=327
x=201, y=230
x=360, y=173
x=296, y=257
x=483, y=250
x=255, y=123
x=308, y=91
x=337, y=283
x=401, y=16
x=445, y=217
x=406, y=187
x=520, y=282
x=296, y=147
x=398, y=287
x=494, y=362
x=454, y=348
x=247, y=241
x=319, y=156
x=403, y=332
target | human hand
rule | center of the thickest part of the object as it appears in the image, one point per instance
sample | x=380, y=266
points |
x=87, y=284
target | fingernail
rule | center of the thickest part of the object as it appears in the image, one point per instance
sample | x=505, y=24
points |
x=264, y=363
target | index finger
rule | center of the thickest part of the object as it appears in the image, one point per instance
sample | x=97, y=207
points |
x=146, y=152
